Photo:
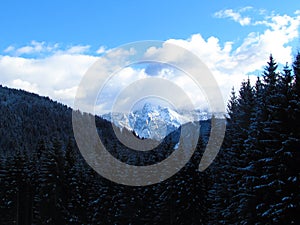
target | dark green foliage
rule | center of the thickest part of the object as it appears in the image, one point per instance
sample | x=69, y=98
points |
x=296, y=68
x=260, y=159
x=255, y=178
x=45, y=180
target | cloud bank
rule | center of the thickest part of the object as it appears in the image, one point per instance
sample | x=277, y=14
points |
x=55, y=71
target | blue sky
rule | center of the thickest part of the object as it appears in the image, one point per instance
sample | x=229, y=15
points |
x=61, y=39
x=112, y=23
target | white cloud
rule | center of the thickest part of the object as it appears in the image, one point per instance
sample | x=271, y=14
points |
x=101, y=50
x=65, y=94
x=78, y=49
x=56, y=76
x=9, y=49
x=230, y=66
x=24, y=85
x=58, y=72
x=235, y=15
x=42, y=48
x=34, y=47
x=115, y=85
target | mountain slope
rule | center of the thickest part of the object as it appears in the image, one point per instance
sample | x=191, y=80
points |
x=152, y=121
x=27, y=118
x=44, y=179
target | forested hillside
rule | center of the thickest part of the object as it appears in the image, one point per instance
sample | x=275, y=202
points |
x=257, y=175
x=255, y=178
x=45, y=180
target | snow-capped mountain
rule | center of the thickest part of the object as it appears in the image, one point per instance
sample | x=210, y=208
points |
x=153, y=121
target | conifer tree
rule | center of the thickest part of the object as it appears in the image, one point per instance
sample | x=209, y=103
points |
x=296, y=69
x=269, y=145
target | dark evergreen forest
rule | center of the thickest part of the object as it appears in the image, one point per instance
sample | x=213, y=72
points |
x=255, y=178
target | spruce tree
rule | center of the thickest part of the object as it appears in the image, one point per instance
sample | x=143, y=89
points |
x=268, y=184
x=296, y=69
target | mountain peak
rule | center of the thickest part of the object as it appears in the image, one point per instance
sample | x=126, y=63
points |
x=150, y=107
x=151, y=121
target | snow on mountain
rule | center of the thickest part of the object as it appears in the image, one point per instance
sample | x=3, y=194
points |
x=153, y=121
